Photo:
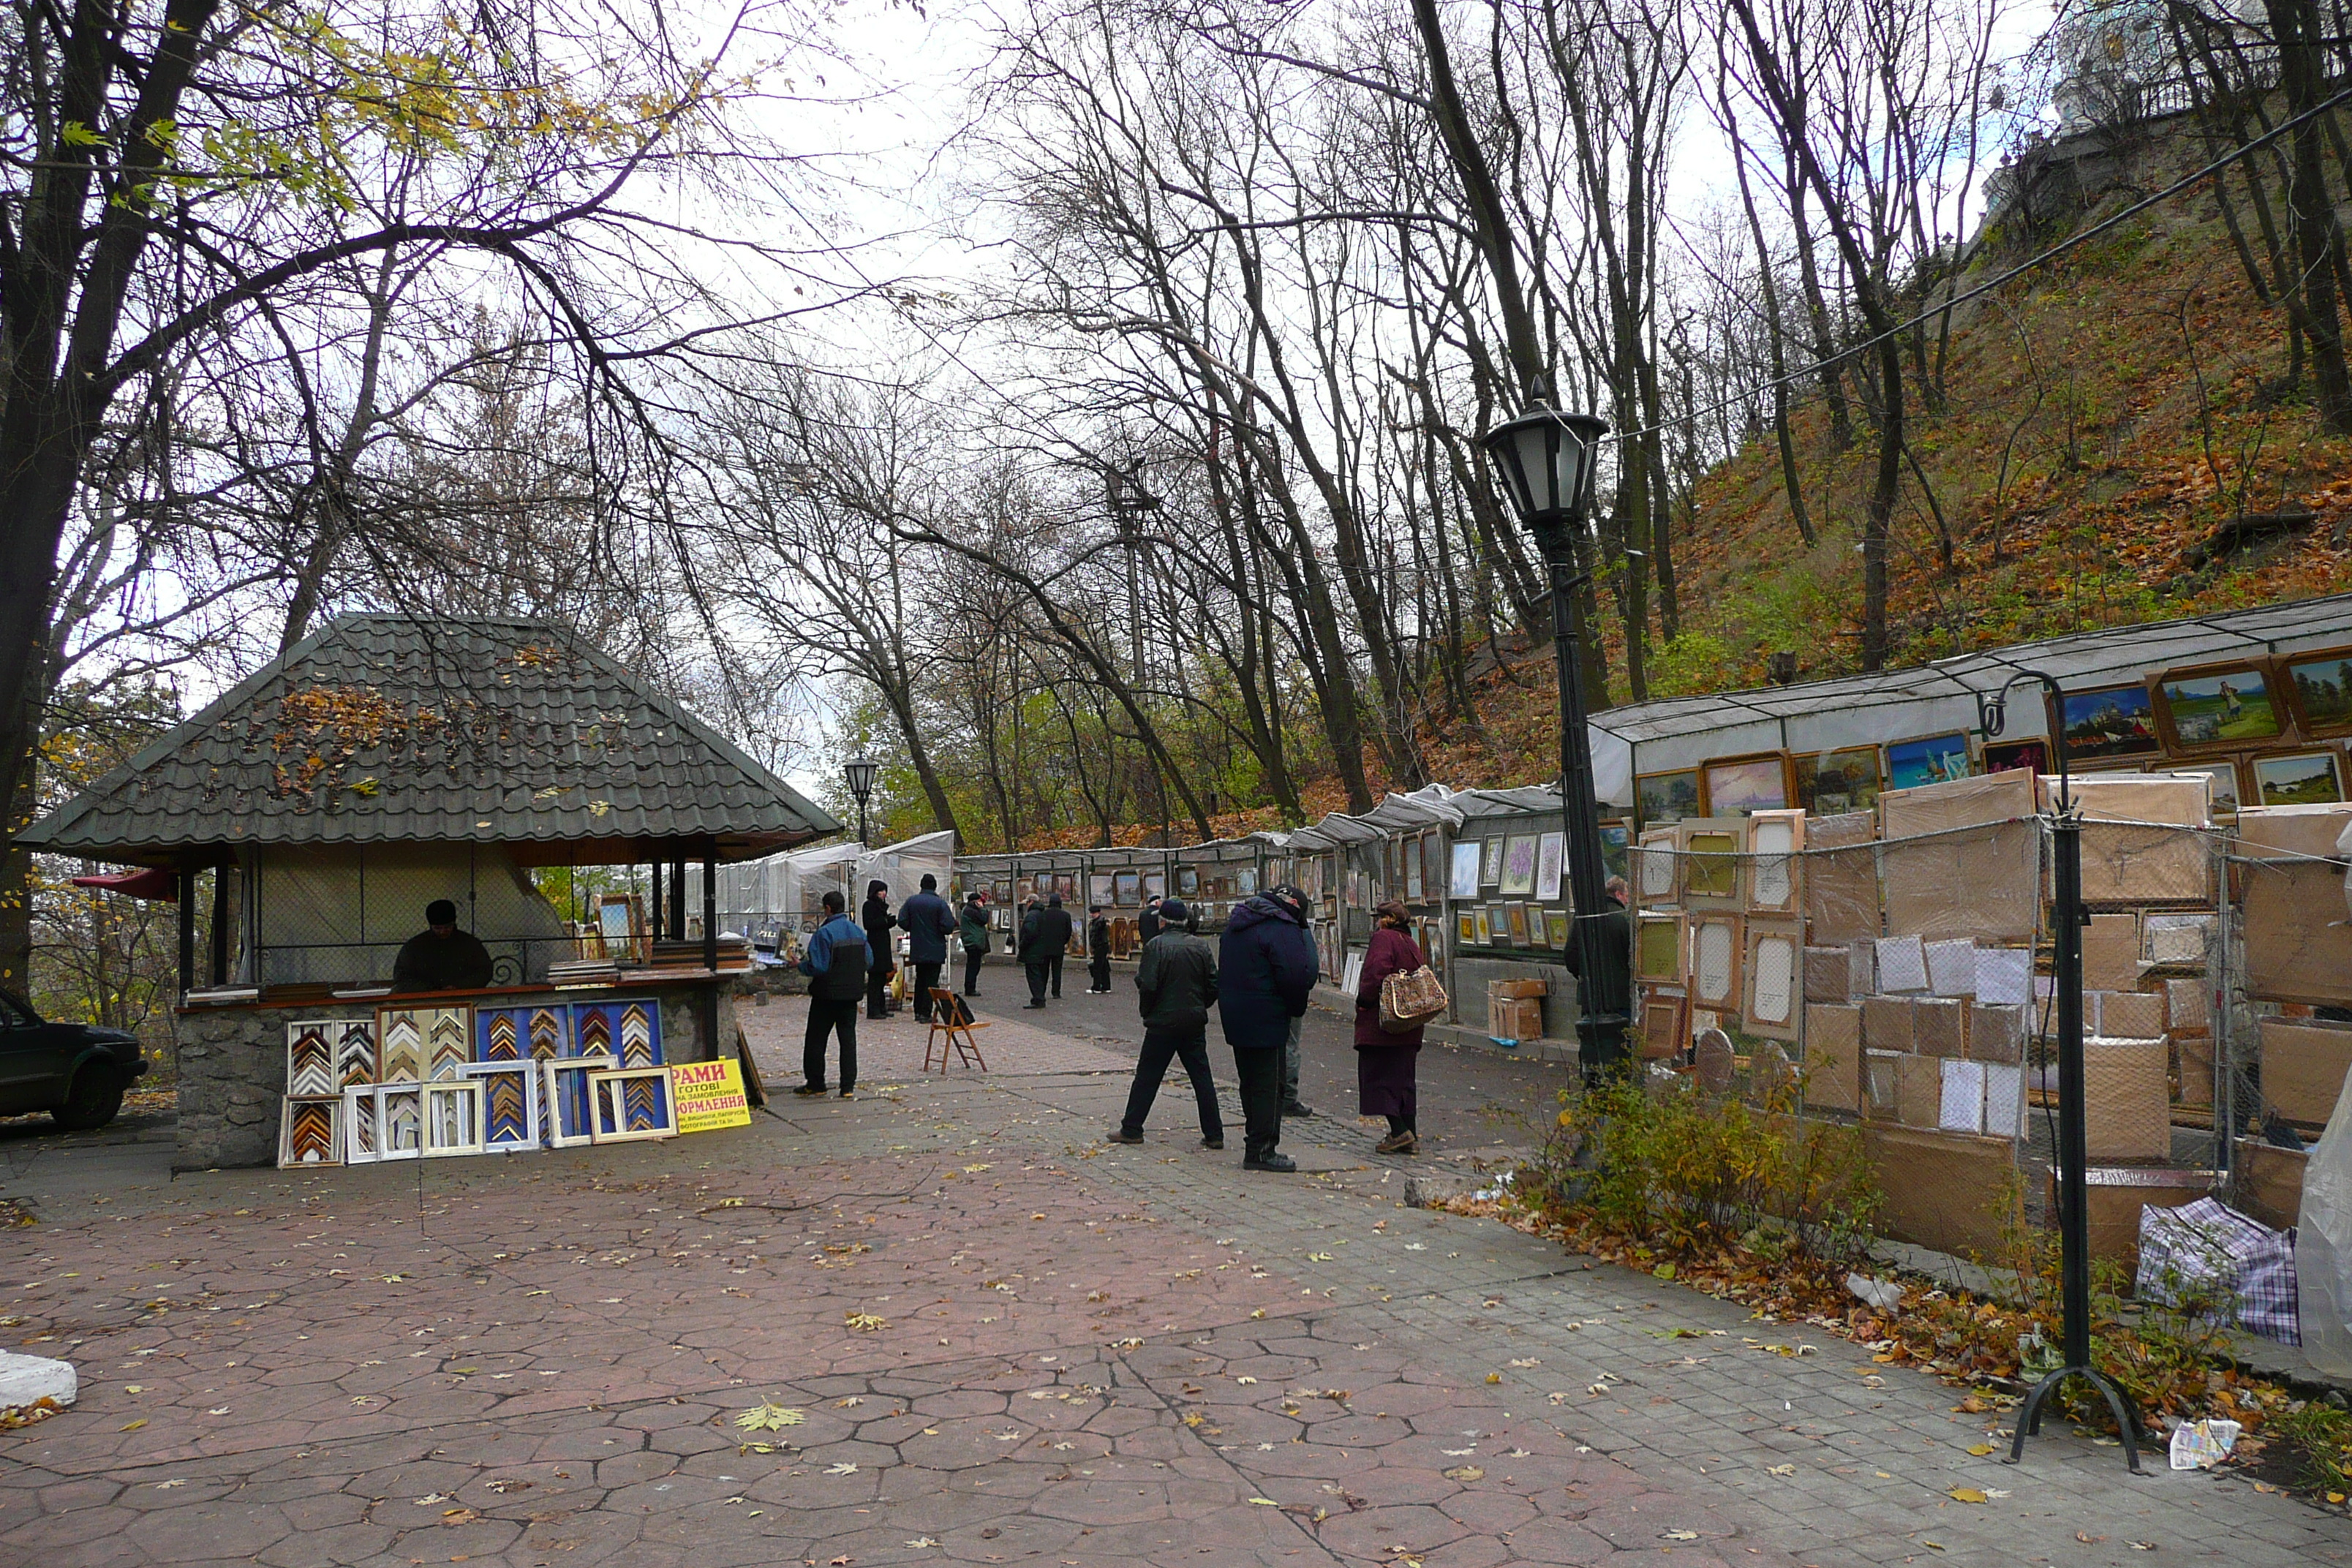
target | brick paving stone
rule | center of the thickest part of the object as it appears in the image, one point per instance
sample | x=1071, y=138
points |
x=539, y=1358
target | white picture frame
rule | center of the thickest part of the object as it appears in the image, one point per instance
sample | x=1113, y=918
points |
x=383, y=1122
x=553, y=1125
x=1463, y=880
x=605, y=1094
x=526, y=1074
x=452, y=1118
x=1551, y=849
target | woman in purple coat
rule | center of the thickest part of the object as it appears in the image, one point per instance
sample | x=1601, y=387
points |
x=1384, y=1062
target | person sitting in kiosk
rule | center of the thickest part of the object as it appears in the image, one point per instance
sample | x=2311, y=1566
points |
x=441, y=957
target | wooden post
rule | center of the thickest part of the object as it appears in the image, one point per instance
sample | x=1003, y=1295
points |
x=710, y=947
x=187, y=934
x=657, y=901
x=223, y=917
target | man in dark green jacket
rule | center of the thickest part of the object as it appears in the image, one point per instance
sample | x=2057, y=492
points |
x=1177, y=983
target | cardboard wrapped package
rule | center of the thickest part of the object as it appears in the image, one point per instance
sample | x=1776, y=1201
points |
x=2111, y=954
x=1996, y=1033
x=1881, y=1083
x=1833, y=1056
x=1938, y=1027
x=2126, y=1014
x=2127, y=1100
x=2165, y=858
x=2305, y=1062
x=1826, y=972
x=2196, y=1069
x=1942, y=1189
x=1919, y=1091
x=2188, y=1006
x=1886, y=1023
x=2269, y=1182
x=1841, y=876
x=1978, y=884
x=2298, y=944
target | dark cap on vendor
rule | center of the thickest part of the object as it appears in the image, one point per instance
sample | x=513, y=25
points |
x=441, y=957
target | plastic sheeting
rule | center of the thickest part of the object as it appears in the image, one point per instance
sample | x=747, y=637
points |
x=2322, y=1246
x=340, y=912
x=784, y=889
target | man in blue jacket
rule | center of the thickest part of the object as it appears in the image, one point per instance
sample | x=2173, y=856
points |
x=835, y=964
x=1266, y=972
x=929, y=922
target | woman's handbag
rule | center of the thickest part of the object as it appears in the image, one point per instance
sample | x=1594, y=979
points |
x=1408, y=1001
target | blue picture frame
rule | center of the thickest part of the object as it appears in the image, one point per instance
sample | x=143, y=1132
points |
x=1932, y=759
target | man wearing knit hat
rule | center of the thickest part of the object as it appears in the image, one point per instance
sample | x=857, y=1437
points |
x=1265, y=972
x=1177, y=984
x=441, y=957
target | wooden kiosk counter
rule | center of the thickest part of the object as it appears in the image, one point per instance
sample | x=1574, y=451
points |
x=382, y=765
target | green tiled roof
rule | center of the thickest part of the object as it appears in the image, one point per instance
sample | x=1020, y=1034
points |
x=391, y=729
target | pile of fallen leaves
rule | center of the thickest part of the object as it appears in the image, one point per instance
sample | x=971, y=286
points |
x=1995, y=1350
x=12, y=1416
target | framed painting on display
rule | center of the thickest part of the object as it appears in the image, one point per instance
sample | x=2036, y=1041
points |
x=1665, y=798
x=1188, y=881
x=2218, y=705
x=1464, y=881
x=1556, y=929
x=1098, y=887
x=1465, y=925
x=1127, y=888
x=1481, y=926
x=1245, y=880
x=2303, y=778
x=2224, y=775
x=2112, y=721
x=1490, y=862
x=1931, y=759
x=1515, y=917
x=2016, y=756
x=1550, y=849
x=1155, y=885
x=1519, y=863
x=1414, y=885
x=1831, y=783
x=1616, y=847
x=1739, y=785
x=2319, y=687
x=1498, y=924
x=1432, y=865
x=1710, y=852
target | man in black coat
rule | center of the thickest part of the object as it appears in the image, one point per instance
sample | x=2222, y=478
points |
x=879, y=924
x=441, y=957
x=1610, y=991
x=1098, y=952
x=1177, y=984
x=1045, y=937
x=927, y=923
x=1147, y=924
x=1267, y=969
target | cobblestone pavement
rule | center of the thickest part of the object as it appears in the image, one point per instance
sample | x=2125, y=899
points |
x=999, y=1342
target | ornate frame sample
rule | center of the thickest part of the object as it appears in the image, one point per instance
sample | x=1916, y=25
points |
x=2300, y=786
x=2106, y=722
x=1735, y=786
x=631, y=1105
x=561, y=1099
x=2198, y=708
x=1776, y=841
x=400, y=1045
x=2320, y=700
x=1710, y=855
x=1666, y=797
x=511, y=1092
x=1772, y=992
x=452, y=1118
x=539, y=1034
x=310, y=1131
x=354, y=1052
x=311, y=1055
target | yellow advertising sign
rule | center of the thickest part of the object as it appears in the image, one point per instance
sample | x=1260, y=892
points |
x=710, y=1095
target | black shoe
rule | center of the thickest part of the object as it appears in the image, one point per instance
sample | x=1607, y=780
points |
x=1294, y=1109
x=810, y=1089
x=1032, y=1004
x=1217, y=1142
x=1121, y=1135
x=848, y=1094
x=1270, y=1161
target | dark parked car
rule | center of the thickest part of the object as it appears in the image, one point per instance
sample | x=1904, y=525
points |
x=76, y=1073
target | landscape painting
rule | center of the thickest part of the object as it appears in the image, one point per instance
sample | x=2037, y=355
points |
x=1746, y=785
x=1666, y=797
x=2306, y=778
x=2320, y=688
x=2119, y=722
x=2220, y=706
x=1830, y=782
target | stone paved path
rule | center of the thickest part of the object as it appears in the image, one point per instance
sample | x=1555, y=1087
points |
x=1005, y=1342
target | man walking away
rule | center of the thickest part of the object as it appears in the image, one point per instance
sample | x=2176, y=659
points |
x=876, y=918
x=1611, y=990
x=927, y=923
x=836, y=964
x=973, y=929
x=1266, y=972
x=1147, y=924
x=1176, y=984
x=1045, y=935
x=1098, y=952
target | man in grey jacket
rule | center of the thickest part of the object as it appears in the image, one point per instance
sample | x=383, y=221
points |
x=1177, y=983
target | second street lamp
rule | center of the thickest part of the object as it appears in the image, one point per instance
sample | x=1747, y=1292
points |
x=1546, y=460
x=862, y=770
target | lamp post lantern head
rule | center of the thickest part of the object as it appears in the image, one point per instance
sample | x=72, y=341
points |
x=862, y=770
x=1546, y=460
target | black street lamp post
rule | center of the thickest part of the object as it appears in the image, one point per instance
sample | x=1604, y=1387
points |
x=2067, y=917
x=862, y=771
x=1546, y=460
